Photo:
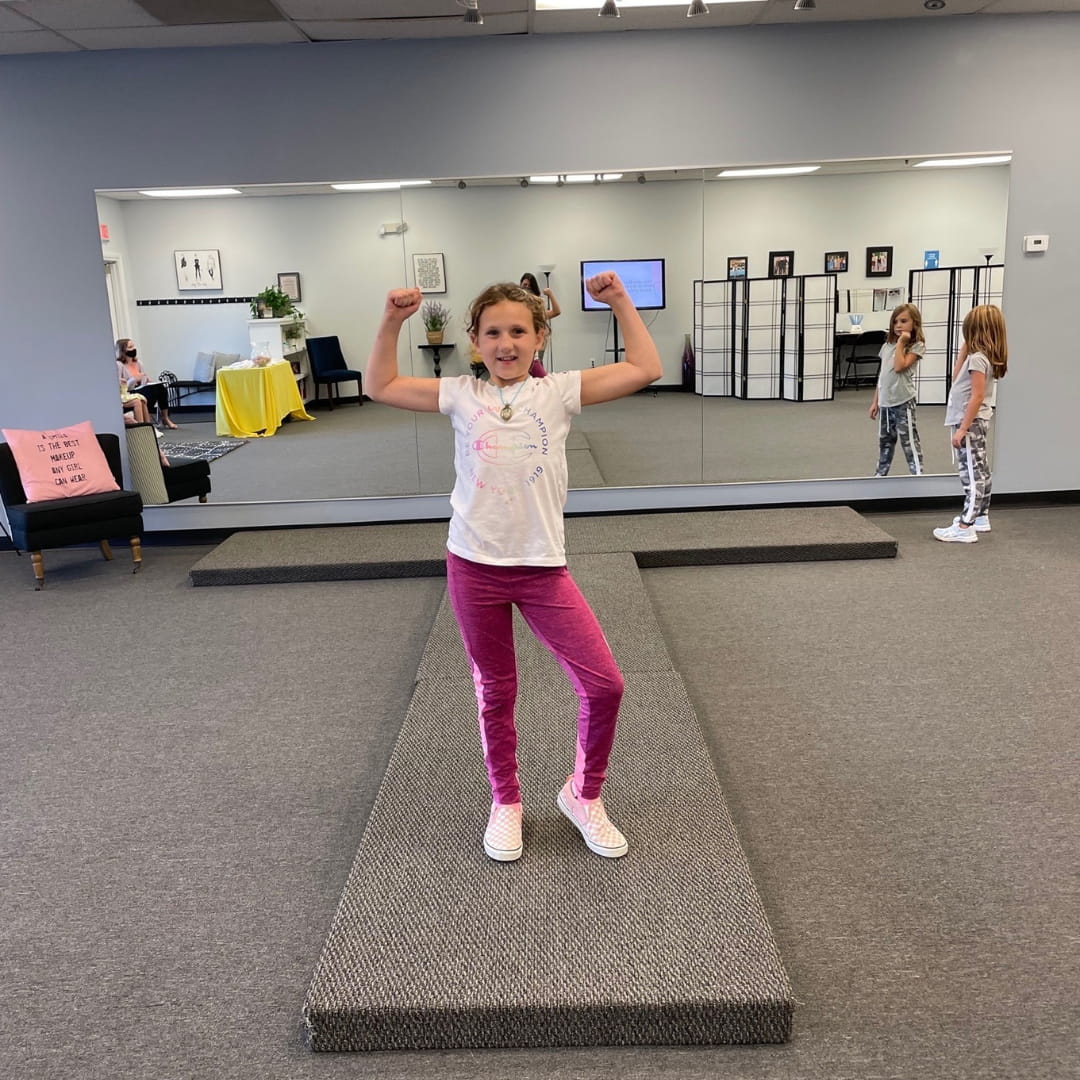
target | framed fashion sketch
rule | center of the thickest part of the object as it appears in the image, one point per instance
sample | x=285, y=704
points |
x=198, y=269
x=429, y=272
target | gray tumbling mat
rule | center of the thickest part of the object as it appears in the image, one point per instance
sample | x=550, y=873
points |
x=434, y=945
x=705, y=537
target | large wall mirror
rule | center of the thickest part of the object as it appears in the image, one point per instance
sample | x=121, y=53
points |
x=348, y=248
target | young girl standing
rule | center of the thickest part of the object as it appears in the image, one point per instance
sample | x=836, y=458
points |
x=506, y=543
x=982, y=360
x=894, y=396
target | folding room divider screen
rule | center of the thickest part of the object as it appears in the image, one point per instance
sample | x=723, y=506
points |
x=765, y=338
x=944, y=296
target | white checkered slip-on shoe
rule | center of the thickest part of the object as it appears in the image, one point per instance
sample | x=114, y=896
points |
x=502, y=837
x=592, y=822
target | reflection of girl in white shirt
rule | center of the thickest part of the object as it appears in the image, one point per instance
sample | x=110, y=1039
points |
x=982, y=360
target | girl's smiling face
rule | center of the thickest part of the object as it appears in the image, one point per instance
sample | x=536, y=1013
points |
x=507, y=341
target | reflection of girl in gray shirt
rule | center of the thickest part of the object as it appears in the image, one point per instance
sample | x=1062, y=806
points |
x=894, y=396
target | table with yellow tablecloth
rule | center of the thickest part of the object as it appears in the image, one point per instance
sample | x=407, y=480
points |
x=253, y=401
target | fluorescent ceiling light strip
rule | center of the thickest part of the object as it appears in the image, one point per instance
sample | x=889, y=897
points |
x=543, y=179
x=190, y=193
x=580, y=178
x=955, y=163
x=378, y=185
x=779, y=170
x=591, y=5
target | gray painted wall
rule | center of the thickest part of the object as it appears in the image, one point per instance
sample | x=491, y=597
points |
x=73, y=123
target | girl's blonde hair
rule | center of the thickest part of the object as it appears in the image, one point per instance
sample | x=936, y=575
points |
x=984, y=332
x=916, y=323
x=496, y=294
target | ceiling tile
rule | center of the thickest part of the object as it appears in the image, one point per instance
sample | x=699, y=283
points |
x=164, y=37
x=34, y=41
x=78, y=14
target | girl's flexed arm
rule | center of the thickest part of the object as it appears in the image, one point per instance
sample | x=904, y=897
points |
x=381, y=379
x=642, y=365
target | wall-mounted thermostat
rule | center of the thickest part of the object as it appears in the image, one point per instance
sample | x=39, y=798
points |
x=392, y=228
x=1036, y=243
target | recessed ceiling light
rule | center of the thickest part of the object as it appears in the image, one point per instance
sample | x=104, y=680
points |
x=190, y=193
x=959, y=162
x=590, y=5
x=779, y=170
x=379, y=185
x=933, y=5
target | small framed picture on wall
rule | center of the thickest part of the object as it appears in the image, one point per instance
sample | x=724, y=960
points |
x=289, y=284
x=736, y=266
x=429, y=272
x=781, y=263
x=879, y=261
x=836, y=262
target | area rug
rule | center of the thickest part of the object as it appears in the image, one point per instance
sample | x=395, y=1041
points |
x=209, y=450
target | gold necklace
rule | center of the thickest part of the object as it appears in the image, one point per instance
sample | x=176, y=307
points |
x=506, y=411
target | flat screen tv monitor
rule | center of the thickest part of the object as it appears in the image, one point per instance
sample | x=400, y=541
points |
x=643, y=278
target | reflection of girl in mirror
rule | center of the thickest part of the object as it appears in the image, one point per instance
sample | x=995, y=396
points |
x=551, y=310
x=894, y=396
x=507, y=545
x=133, y=378
x=982, y=360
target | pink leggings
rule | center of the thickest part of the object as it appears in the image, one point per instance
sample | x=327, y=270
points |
x=482, y=597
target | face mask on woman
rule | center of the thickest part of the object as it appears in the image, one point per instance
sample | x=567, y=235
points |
x=131, y=353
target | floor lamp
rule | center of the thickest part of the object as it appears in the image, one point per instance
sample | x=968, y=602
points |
x=546, y=269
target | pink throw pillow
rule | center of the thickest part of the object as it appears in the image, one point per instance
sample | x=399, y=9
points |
x=59, y=464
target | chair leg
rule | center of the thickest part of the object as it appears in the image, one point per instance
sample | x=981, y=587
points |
x=105, y=549
x=136, y=554
x=39, y=569
x=330, y=393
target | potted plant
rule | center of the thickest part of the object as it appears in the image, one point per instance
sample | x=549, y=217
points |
x=294, y=330
x=435, y=316
x=271, y=303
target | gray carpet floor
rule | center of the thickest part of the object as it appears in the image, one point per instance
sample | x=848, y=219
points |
x=896, y=740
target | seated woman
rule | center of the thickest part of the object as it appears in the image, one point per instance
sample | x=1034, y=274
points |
x=135, y=379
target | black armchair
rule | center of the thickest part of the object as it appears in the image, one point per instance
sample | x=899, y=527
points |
x=157, y=483
x=328, y=368
x=76, y=520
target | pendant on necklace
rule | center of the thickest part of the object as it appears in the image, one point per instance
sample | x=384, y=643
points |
x=506, y=412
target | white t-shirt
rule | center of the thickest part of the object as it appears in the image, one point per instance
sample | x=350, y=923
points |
x=960, y=391
x=510, y=486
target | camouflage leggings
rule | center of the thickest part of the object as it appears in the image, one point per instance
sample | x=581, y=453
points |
x=898, y=421
x=974, y=468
